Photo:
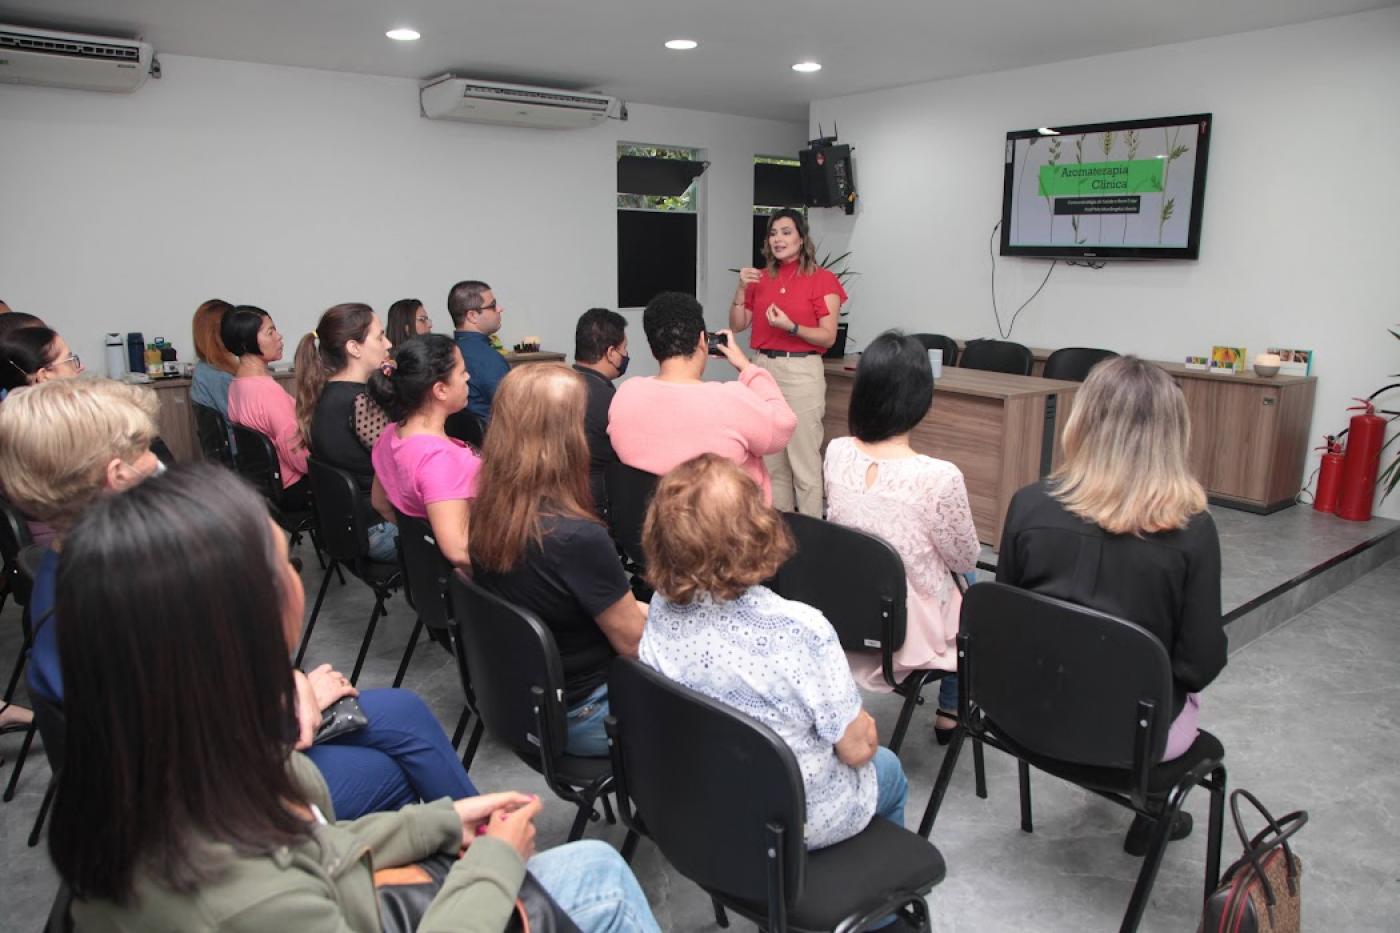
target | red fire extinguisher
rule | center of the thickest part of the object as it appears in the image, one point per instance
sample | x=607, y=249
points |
x=1365, y=437
x=1329, y=476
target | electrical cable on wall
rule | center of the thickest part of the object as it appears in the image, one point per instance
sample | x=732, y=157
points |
x=991, y=249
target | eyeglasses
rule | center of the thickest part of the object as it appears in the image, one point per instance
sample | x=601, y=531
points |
x=71, y=358
x=423, y=319
x=490, y=307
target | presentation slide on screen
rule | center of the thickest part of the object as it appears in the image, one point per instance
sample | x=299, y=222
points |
x=1130, y=188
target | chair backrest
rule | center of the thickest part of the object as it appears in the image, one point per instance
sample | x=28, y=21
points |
x=509, y=654
x=948, y=345
x=256, y=461
x=706, y=782
x=1062, y=680
x=1074, y=363
x=466, y=427
x=856, y=580
x=998, y=356
x=425, y=572
x=629, y=493
x=212, y=430
x=14, y=537
x=336, y=497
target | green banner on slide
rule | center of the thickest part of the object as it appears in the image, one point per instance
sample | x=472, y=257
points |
x=1138, y=176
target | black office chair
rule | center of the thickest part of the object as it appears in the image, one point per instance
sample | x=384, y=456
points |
x=1086, y=697
x=19, y=560
x=213, y=433
x=426, y=574
x=515, y=670
x=48, y=719
x=345, y=535
x=629, y=493
x=721, y=795
x=467, y=428
x=857, y=581
x=255, y=459
x=948, y=345
x=1073, y=363
x=998, y=356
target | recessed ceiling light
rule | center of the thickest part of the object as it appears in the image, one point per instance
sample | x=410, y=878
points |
x=403, y=35
x=681, y=45
x=807, y=66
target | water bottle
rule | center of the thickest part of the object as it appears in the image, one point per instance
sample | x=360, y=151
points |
x=135, y=352
x=116, y=358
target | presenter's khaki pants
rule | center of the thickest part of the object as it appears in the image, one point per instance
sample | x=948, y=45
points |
x=796, y=472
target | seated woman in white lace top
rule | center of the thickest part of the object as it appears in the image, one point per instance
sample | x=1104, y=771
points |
x=875, y=482
x=709, y=539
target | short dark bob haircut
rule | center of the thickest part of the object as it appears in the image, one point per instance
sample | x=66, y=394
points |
x=179, y=699
x=239, y=330
x=893, y=388
x=673, y=322
x=419, y=364
x=23, y=353
x=597, y=330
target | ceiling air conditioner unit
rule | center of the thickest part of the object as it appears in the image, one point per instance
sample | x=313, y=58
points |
x=451, y=98
x=72, y=60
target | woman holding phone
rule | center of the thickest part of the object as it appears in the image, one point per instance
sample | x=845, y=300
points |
x=792, y=305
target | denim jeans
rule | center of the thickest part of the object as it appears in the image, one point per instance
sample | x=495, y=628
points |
x=893, y=786
x=383, y=540
x=594, y=886
x=401, y=757
x=586, y=736
x=948, y=693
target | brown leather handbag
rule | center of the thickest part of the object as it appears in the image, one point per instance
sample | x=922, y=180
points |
x=1262, y=891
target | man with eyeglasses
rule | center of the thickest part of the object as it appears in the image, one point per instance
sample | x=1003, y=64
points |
x=476, y=315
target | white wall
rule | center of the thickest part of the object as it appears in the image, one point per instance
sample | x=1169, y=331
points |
x=296, y=189
x=1299, y=245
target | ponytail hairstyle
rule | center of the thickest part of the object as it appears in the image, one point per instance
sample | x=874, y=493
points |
x=419, y=363
x=321, y=354
x=23, y=353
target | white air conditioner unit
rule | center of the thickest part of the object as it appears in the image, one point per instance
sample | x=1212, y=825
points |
x=452, y=98
x=72, y=60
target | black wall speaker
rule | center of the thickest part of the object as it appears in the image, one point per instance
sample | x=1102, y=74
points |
x=827, y=177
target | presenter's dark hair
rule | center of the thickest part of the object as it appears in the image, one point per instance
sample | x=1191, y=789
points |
x=239, y=329
x=402, y=324
x=673, y=322
x=597, y=330
x=893, y=388
x=463, y=297
x=419, y=364
x=179, y=722
x=23, y=353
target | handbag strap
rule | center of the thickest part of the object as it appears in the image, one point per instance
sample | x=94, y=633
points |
x=1274, y=836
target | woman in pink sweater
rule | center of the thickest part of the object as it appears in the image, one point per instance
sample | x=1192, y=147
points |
x=255, y=399
x=657, y=423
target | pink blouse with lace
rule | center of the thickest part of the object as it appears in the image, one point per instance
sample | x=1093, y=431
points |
x=919, y=505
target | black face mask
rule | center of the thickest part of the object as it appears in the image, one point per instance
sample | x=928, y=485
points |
x=622, y=366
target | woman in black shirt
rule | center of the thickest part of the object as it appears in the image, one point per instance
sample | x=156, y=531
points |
x=1122, y=527
x=535, y=541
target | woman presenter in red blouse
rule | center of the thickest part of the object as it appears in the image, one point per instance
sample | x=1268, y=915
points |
x=793, y=305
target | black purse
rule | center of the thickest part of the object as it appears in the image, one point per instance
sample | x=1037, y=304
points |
x=340, y=718
x=1262, y=891
x=405, y=893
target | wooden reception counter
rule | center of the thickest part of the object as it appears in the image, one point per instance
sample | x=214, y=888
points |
x=1002, y=431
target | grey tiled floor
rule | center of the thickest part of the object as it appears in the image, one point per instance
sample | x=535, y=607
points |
x=1307, y=714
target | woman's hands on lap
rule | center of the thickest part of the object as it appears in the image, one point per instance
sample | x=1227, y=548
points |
x=509, y=816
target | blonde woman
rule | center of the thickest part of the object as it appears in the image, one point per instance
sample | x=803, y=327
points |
x=1122, y=527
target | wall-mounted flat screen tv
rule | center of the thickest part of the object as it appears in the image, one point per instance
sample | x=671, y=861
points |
x=1127, y=190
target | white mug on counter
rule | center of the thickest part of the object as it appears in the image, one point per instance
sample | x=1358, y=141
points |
x=935, y=363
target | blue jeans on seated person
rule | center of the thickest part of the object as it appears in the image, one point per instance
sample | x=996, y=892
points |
x=587, y=737
x=401, y=757
x=594, y=886
x=893, y=786
x=383, y=542
x=948, y=693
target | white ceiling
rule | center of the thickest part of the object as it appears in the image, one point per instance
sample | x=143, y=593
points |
x=615, y=46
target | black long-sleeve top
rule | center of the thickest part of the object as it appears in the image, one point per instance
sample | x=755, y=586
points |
x=1167, y=582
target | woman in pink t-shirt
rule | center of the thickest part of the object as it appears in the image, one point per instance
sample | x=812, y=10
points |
x=255, y=399
x=418, y=469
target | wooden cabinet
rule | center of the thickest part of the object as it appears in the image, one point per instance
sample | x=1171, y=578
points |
x=175, y=419
x=1249, y=435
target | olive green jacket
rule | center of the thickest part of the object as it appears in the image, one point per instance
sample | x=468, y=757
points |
x=325, y=883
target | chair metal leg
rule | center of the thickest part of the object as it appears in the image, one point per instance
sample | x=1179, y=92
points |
x=38, y=829
x=940, y=785
x=408, y=652
x=629, y=845
x=1023, y=775
x=19, y=762
x=608, y=811
x=1151, y=862
x=585, y=810
x=721, y=917
x=369, y=636
x=461, y=729
x=315, y=611
x=979, y=768
x=906, y=712
x=1216, y=785
x=19, y=667
x=472, y=744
